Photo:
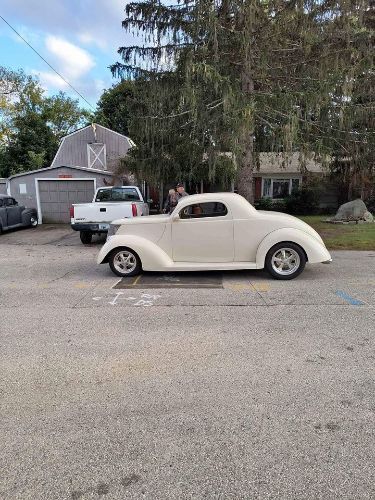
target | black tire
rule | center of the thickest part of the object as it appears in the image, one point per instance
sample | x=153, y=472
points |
x=116, y=265
x=296, y=259
x=85, y=237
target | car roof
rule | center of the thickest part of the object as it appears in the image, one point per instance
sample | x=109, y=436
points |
x=2, y=196
x=239, y=206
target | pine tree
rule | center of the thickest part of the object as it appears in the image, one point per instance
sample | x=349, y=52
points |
x=243, y=75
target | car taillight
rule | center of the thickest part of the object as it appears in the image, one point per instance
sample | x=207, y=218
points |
x=134, y=210
x=71, y=212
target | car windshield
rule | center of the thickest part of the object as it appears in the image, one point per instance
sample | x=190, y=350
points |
x=117, y=194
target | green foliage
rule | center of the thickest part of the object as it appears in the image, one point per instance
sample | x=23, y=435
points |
x=246, y=77
x=370, y=204
x=32, y=124
x=303, y=201
x=113, y=107
x=32, y=141
x=36, y=160
x=264, y=203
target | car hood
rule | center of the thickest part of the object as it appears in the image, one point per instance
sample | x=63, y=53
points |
x=146, y=219
x=291, y=221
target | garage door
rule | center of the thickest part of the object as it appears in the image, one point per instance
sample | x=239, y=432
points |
x=56, y=197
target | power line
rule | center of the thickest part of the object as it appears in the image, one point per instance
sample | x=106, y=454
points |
x=48, y=64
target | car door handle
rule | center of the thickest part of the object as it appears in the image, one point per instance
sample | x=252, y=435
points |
x=103, y=209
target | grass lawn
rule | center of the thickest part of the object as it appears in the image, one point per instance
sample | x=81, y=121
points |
x=343, y=236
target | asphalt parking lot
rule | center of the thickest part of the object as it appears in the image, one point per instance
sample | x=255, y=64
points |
x=254, y=388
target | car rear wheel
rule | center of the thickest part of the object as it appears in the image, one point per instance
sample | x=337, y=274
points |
x=124, y=262
x=85, y=237
x=285, y=261
x=33, y=222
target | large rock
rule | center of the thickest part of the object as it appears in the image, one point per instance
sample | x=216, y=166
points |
x=353, y=210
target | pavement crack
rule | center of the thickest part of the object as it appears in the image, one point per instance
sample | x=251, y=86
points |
x=59, y=277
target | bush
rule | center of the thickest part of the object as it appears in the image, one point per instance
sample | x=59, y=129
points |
x=264, y=204
x=370, y=204
x=304, y=201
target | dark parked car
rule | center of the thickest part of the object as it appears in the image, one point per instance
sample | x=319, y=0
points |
x=13, y=215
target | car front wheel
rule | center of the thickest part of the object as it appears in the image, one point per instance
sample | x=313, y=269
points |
x=285, y=261
x=124, y=262
x=34, y=222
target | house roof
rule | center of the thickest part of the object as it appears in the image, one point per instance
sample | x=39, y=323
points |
x=270, y=163
x=94, y=170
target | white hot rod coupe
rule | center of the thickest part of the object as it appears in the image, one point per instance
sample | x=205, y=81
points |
x=213, y=231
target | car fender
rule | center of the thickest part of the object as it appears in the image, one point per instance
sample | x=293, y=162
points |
x=26, y=215
x=151, y=255
x=315, y=251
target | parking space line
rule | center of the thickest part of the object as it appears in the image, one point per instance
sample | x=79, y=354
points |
x=136, y=280
x=261, y=287
x=351, y=300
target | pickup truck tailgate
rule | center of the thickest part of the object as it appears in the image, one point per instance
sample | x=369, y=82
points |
x=101, y=212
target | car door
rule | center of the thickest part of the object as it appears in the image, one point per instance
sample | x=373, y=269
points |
x=203, y=232
x=3, y=214
x=14, y=212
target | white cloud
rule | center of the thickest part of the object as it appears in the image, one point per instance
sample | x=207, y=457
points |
x=50, y=80
x=71, y=60
x=89, y=39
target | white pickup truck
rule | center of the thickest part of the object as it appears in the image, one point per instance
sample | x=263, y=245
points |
x=109, y=203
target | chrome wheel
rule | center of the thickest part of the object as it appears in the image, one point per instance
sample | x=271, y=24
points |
x=124, y=262
x=285, y=261
x=33, y=222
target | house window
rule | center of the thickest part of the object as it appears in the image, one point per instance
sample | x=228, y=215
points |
x=278, y=188
x=23, y=189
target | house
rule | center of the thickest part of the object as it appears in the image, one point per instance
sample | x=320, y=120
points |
x=85, y=160
x=278, y=175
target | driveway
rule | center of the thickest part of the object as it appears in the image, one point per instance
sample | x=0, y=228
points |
x=251, y=389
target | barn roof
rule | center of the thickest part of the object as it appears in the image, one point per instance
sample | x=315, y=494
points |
x=93, y=170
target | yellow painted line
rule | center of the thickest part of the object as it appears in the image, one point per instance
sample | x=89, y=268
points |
x=239, y=286
x=136, y=280
x=261, y=287
x=82, y=285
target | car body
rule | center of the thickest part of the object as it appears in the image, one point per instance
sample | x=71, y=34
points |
x=213, y=231
x=13, y=215
x=109, y=203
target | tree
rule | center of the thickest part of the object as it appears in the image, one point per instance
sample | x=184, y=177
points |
x=253, y=74
x=113, y=107
x=32, y=124
x=63, y=114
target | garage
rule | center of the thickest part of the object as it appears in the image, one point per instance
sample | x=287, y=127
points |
x=57, y=195
x=53, y=190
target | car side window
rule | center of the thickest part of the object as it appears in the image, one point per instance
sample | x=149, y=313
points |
x=1, y=203
x=204, y=210
x=10, y=202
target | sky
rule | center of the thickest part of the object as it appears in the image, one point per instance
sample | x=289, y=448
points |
x=79, y=38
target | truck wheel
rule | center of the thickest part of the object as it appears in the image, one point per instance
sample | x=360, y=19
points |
x=86, y=237
x=124, y=262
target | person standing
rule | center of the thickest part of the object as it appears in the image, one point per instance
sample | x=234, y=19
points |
x=181, y=191
x=170, y=202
